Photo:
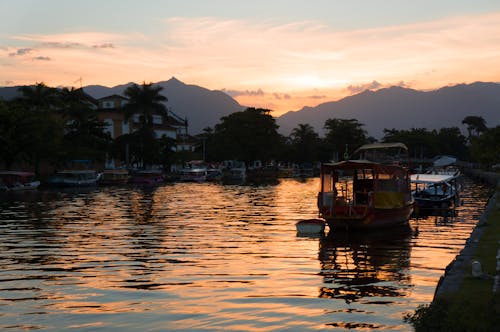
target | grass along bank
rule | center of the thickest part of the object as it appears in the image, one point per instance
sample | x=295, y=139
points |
x=463, y=302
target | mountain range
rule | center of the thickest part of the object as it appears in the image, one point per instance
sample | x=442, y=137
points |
x=394, y=107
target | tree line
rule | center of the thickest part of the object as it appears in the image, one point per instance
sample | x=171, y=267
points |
x=55, y=126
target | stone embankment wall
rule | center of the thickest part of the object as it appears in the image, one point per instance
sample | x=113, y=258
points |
x=455, y=271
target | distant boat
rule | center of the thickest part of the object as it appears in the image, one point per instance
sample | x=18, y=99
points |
x=74, y=178
x=234, y=172
x=147, y=177
x=435, y=191
x=370, y=192
x=194, y=171
x=18, y=180
x=114, y=176
x=214, y=174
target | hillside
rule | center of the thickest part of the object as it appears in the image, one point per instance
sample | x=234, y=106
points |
x=403, y=108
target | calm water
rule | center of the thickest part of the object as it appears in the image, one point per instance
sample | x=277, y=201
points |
x=211, y=257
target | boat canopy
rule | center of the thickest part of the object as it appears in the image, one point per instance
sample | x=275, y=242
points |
x=431, y=178
x=386, y=153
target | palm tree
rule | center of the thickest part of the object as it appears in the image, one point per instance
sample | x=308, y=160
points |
x=146, y=101
x=305, y=141
x=84, y=132
x=475, y=124
x=39, y=98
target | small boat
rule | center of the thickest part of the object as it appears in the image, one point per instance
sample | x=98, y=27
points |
x=147, y=177
x=194, y=171
x=234, y=172
x=214, y=174
x=17, y=180
x=435, y=191
x=74, y=178
x=371, y=191
x=114, y=176
x=310, y=226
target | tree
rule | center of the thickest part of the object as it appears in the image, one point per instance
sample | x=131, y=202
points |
x=248, y=135
x=42, y=129
x=305, y=143
x=485, y=148
x=343, y=135
x=475, y=125
x=85, y=135
x=39, y=98
x=146, y=101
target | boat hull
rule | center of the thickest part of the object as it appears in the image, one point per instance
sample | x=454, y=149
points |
x=371, y=219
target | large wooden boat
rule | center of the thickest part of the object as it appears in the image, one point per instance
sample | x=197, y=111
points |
x=369, y=192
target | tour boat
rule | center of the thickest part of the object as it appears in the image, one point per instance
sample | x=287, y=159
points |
x=16, y=180
x=435, y=191
x=369, y=192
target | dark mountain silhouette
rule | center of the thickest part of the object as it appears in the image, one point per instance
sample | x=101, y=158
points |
x=394, y=107
x=403, y=108
x=202, y=107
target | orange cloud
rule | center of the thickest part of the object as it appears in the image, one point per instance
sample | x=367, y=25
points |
x=287, y=65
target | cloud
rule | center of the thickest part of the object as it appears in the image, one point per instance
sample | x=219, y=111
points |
x=42, y=58
x=105, y=45
x=317, y=97
x=238, y=93
x=21, y=52
x=374, y=85
x=281, y=96
x=64, y=45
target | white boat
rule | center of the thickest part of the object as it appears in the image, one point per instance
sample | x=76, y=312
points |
x=310, y=226
x=18, y=180
x=74, y=178
x=195, y=171
x=435, y=191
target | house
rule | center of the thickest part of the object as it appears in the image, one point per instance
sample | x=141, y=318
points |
x=110, y=111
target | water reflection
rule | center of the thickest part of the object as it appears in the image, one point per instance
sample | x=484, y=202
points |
x=210, y=257
x=359, y=266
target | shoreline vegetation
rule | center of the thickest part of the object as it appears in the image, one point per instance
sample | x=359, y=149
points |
x=466, y=299
x=46, y=128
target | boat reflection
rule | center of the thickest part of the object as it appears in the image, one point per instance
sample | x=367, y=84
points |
x=360, y=265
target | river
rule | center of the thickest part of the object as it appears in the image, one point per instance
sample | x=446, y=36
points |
x=211, y=257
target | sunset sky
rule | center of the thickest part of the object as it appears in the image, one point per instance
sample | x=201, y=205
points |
x=277, y=54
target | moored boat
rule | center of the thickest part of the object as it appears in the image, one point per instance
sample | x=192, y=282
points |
x=370, y=192
x=435, y=191
x=74, y=178
x=18, y=180
x=194, y=172
x=114, y=176
x=147, y=177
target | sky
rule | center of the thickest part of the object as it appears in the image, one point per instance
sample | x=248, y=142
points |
x=280, y=54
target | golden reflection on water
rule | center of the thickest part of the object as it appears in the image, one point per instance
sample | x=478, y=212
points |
x=211, y=257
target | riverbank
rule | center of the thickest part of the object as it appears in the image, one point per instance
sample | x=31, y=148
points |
x=467, y=300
